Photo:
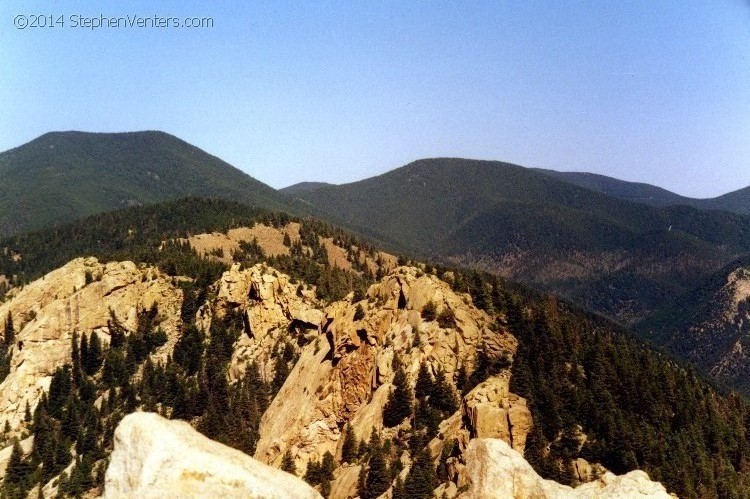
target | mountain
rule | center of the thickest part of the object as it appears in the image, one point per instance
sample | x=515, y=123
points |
x=631, y=191
x=303, y=187
x=736, y=202
x=313, y=352
x=709, y=326
x=63, y=176
x=617, y=257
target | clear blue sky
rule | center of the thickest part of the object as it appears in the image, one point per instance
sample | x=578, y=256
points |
x=654, y=91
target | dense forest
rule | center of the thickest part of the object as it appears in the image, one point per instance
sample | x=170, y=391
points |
x=581, y=374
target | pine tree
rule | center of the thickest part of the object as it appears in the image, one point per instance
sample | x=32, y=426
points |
x=429, y=311
x=399, y=404
x=349, y=447
x=327, y=466
x=92, y=360
x=10, y=331
x=398, y=489
x=287, y=463
x=18, y=470
x=359, y=313
x=424, y=385
x=443, y=398
x=378, y=478
x=421, y=480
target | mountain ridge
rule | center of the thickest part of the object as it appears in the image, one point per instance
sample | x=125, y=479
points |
x=61, y=176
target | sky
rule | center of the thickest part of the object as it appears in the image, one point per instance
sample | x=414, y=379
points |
x=337, y=91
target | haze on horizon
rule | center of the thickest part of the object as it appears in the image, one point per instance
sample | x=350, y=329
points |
x=647, y=92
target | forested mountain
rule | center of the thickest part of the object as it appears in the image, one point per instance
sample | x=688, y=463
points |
x=359, y=376
x=736, y=201
x=613, y=256
x=63, y=176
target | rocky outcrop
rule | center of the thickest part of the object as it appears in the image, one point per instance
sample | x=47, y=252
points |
x=494, y=412
x=157, y=458
x=344, y=375
x=272, y=308
x=716, y=334
x=77, y=297
x=494, y=470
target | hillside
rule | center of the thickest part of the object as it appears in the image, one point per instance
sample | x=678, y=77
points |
x=409, y=378
x=64, y=176
x=613, y=256
x=736, y=201
x=303, y=187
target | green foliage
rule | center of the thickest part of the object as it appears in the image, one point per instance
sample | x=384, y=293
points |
x=349, y=447
x=429, y=311
x=421, y=480
x=287, y=463
x=188, y=351
x=425, y=384
x=9, y=331
x=359, y=313
x=377, y=478
x=399, y=404
x=69, y=175
x=446, y=318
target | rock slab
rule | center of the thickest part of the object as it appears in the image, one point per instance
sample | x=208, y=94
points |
x=155, y=457
x=496, y=470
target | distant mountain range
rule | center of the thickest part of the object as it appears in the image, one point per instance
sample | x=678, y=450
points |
x=60, y=177
x=636, y=253
x=617, y=257
x=737, y=201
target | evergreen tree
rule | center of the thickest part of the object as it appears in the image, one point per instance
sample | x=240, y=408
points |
x=17, y=473
x=443, y=397
x=378, y=478
x=92, y=360
x=188, y=351
x=398, y=489
x=425, y=384
x=287, y=463
x=399, y=404
x=10, y=330
x=421, y=480
x=349, y=447
x=359, y=313
x=429, y=311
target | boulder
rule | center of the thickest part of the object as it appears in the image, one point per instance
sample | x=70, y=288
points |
x=494, y=469
x=494, y=412
x=154, y=457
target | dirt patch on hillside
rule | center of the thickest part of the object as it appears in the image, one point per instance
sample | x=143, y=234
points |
x=222, y=246
x=336, y=254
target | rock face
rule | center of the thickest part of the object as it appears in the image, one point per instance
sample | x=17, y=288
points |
x=494, y=412
x=495, y=470
x=271, y=306
x=76, y=297
x=719, y=337
x=345, y=375
x=158, y=458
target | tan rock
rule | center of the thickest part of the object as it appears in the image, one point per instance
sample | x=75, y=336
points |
x=494, y=412
x=157, y=458
x=587, y=472
x=495, y=470
x=344, y=484
x=47, y=311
